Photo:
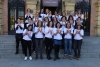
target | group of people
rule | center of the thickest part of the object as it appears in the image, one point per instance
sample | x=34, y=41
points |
x=51, y=30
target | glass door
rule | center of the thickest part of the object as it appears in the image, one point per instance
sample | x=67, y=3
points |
x=16, y=9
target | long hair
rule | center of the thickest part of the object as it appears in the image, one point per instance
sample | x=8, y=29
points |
x=49, y=24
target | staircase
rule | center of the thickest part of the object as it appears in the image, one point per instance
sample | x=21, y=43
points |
x=90, y=48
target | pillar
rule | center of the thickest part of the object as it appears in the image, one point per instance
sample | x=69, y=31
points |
x=69, y=7
x=97, y=27
x=32, y=4
x=0, y=17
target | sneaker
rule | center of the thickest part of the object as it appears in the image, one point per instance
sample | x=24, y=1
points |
x=25, y=58
x=30, y=58
x=34, y=52
x=65, y=56
x=70, y=57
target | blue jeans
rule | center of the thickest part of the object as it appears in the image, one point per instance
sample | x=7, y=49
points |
x=68, y=46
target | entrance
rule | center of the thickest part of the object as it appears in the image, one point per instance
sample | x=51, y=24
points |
x=16, y=9
x=52, y=9
x=52, y=5
x=85, y=7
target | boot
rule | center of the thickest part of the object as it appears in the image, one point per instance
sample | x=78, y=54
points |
x=36, y=56
x=16, y=51
x=41, y=57
x=55, y=53
x=48, y=55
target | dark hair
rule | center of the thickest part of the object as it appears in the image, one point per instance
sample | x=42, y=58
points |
x=29, y=18
x=56, y=11
x=63, y=17
x=81, y=27
x=63, y=12
x=29, y=9
x=79, y=18
x=38, y=23
x=56, y=19
x=28, y=27
x=49, y=24
x=17, y=20
x=58, y=23
x=45, y=18
x=70, y=17
x=67, y=24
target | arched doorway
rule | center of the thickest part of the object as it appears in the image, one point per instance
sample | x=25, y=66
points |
x=16, y=9
x=52, y=5
x=85, y=7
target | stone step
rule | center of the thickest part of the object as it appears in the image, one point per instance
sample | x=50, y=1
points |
x=90, y=48
x=20, y=55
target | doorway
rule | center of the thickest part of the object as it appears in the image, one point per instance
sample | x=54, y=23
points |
x=85, y=7
x=52, y=9
x=16, y=9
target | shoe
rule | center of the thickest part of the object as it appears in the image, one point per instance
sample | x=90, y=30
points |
x=49, y=58
x=34, y=52
x=41, y=57
x=64, y=57
x=30, y=58
x=55, y=59
x=70, y=57
x=25, y=58
x=36, y=57
x=16, y=53
x=58, y=57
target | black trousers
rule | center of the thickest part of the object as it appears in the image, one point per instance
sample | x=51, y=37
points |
x=19, y=38
x=27, y=44
x=56, y=50
x=49, y=45
x=77, y=47
x=33, y=42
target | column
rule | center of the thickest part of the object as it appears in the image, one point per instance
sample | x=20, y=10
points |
x=97, y=28
x=69, y=6
x=32, y=4
x=0, y=17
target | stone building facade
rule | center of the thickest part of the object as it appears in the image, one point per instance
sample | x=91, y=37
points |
x=67, y=5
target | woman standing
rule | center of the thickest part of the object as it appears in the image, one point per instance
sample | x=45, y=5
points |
x=78, y=36
x=27, y=35
x=48, y=39
x=54, y=21
x=39, y=31
x=68, y=41
x=19, y=36
x=57, y=40
x=72, y=22
x=28, y=15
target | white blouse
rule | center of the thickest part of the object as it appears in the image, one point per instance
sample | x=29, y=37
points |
x=47, y=33
x=58, y=36
x=36, y=20
x=40, y=32
x=25, y=35
x=19, y=30
x=77, y=36
x=68, y=35
x=45, y=24
x=63, y=25
x=32, y=28
x=26, y=21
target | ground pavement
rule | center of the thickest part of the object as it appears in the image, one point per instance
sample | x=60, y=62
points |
x=19, y=62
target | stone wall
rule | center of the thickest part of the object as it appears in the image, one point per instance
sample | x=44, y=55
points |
x=93, y=18
x=68, y=5
x=97, y=27
x=0, y=17
x=32, y=4
x=5, y=17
